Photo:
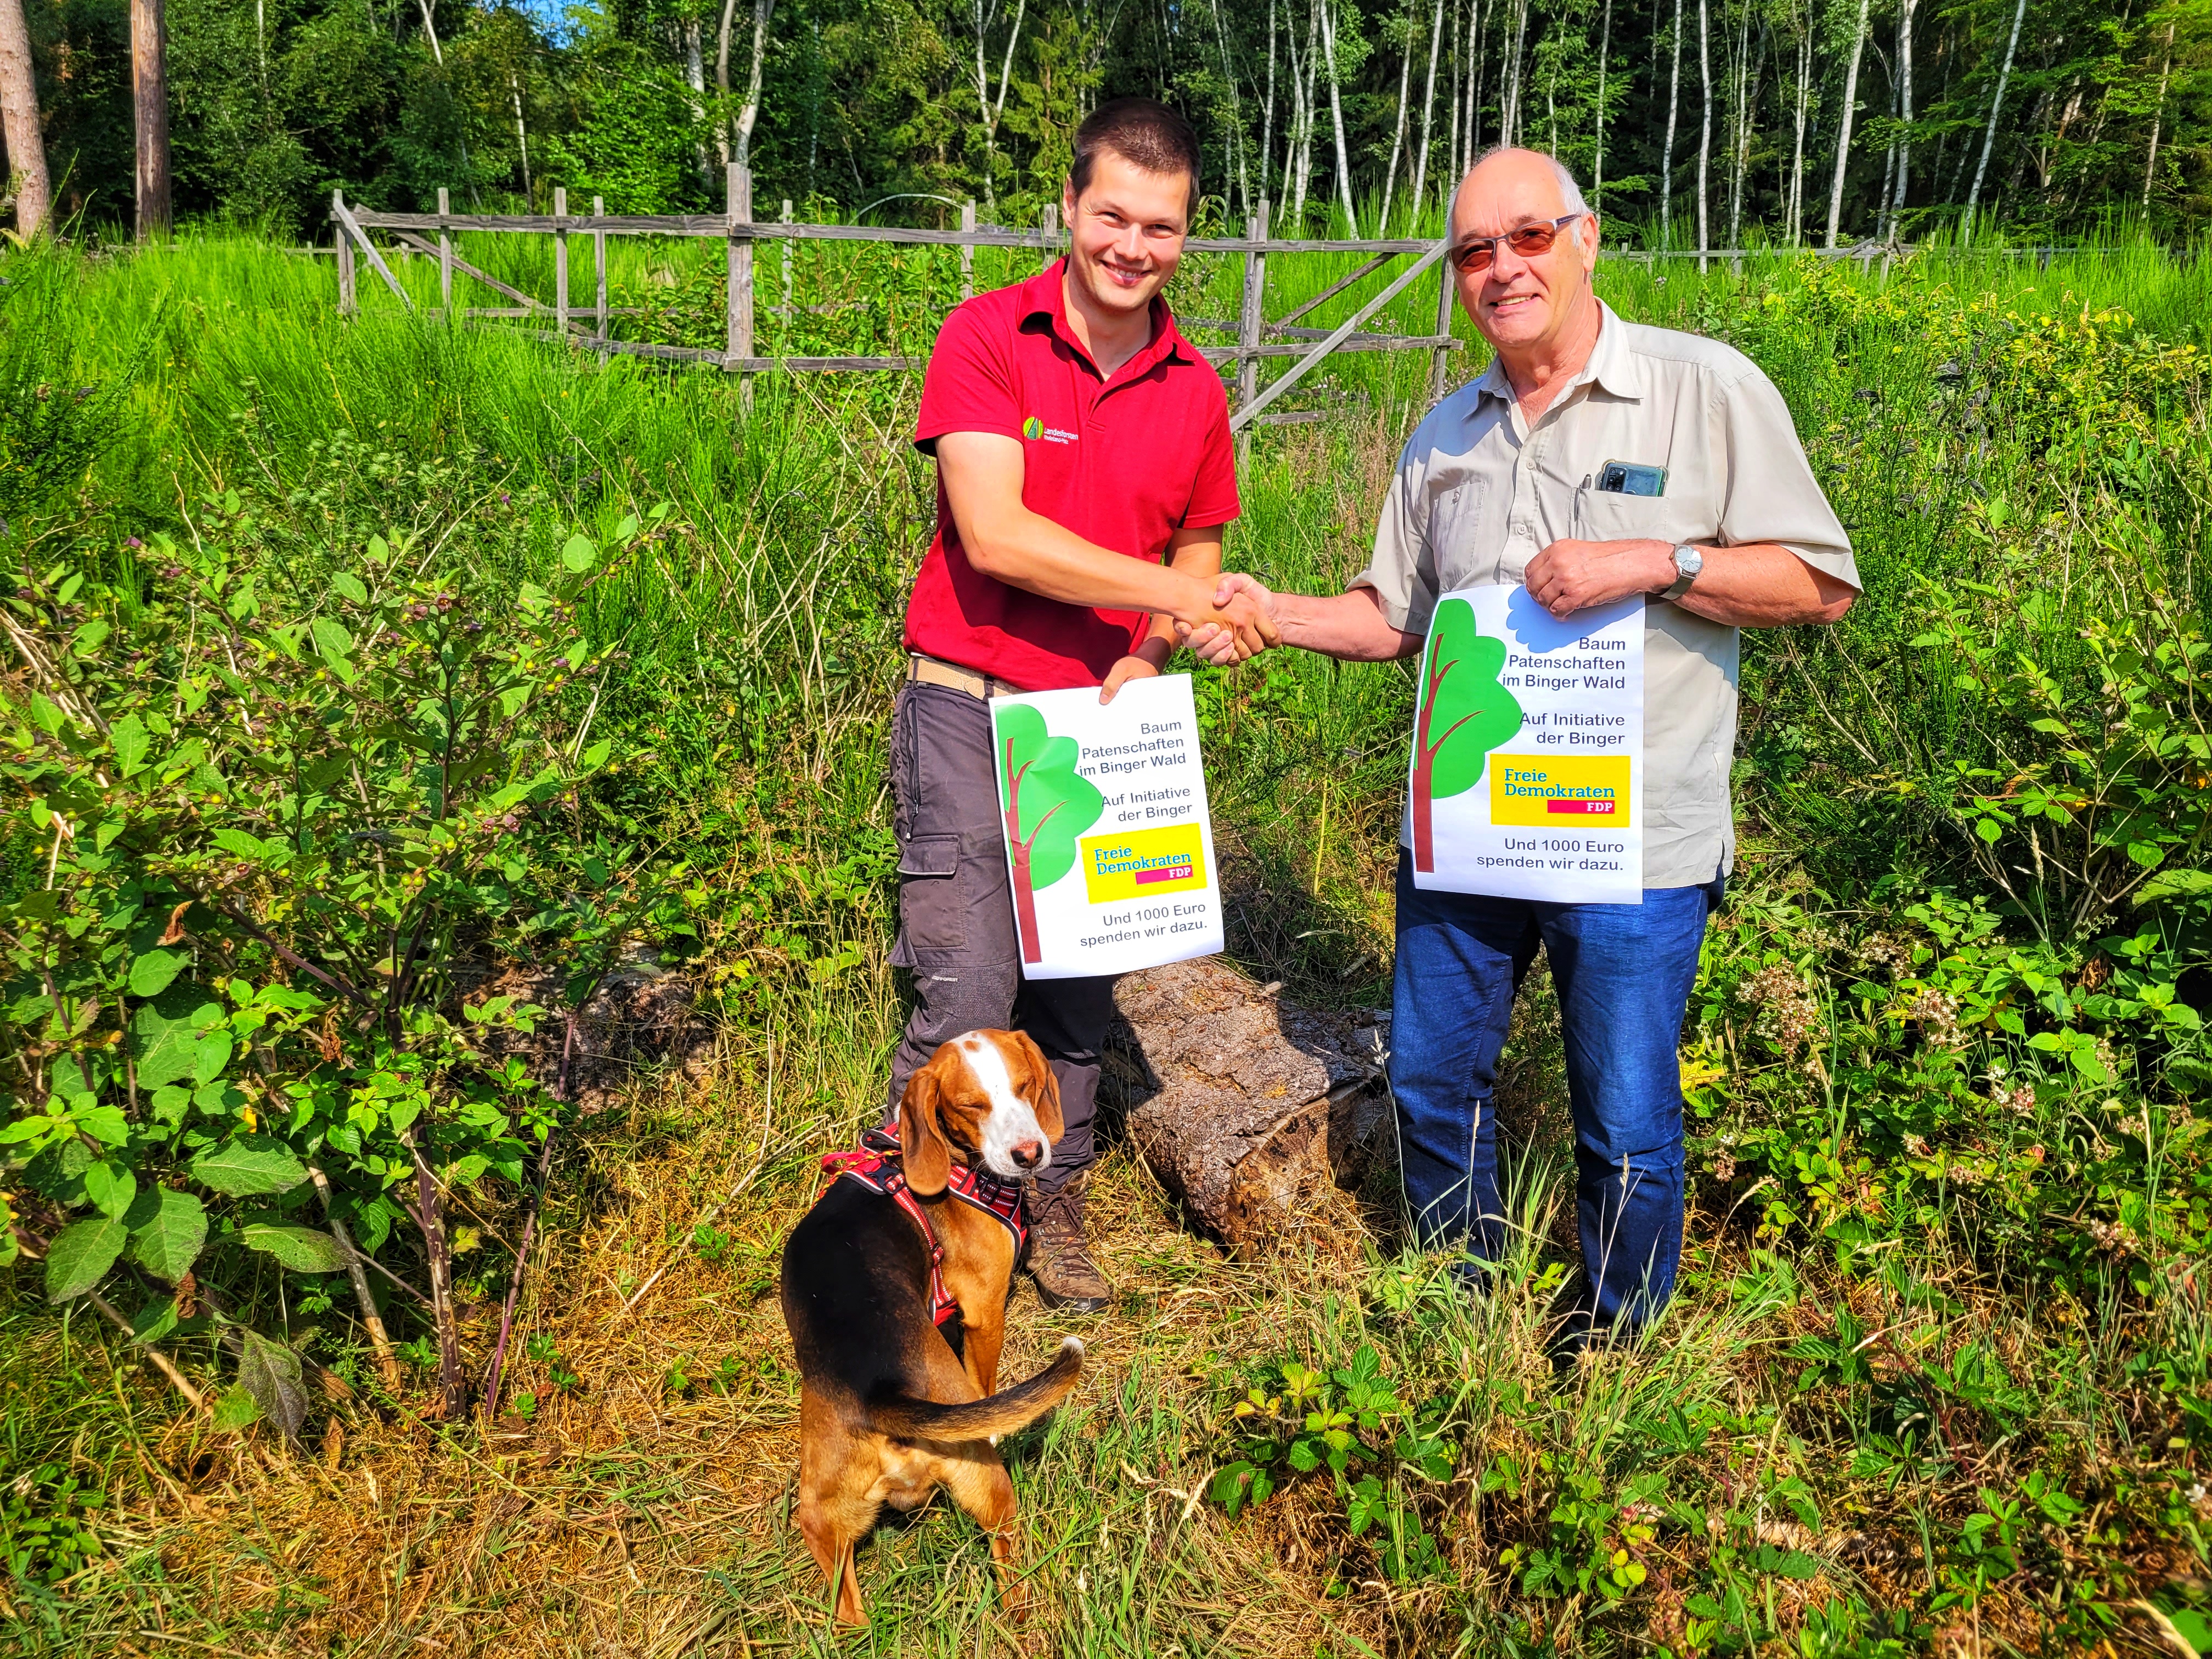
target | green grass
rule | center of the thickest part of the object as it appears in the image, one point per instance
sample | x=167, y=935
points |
x=1907, y=1295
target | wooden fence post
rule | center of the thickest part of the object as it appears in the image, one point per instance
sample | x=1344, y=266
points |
x=599, y=266
x=1438, y=364
x=346, y=300
x=788, y=244
x=1051, y=229
x=738, y=187
x=445, y=253
x=1251, y=319
x=559, y=263
x=968, y=250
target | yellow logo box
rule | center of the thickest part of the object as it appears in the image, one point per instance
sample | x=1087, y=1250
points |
x=1559, y=791
x=1143, y=863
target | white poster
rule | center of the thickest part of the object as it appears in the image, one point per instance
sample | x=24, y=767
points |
x=1526, y=779
x=1109, y=843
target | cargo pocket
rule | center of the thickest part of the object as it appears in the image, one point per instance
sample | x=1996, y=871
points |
x=932, y=916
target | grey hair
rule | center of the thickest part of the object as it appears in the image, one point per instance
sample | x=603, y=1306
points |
x=1571, y=193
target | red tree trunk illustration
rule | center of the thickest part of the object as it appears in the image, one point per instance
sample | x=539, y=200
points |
x=1025, y=915
x=1425, y=761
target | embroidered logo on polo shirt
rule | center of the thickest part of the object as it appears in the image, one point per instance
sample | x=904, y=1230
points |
x=1037, y=431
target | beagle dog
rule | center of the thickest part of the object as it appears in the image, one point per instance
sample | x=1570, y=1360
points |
x=893, y=1403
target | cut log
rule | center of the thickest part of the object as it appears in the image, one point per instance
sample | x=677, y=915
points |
x=1256, y=1115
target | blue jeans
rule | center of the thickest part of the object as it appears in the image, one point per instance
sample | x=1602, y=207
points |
x=1624, y=974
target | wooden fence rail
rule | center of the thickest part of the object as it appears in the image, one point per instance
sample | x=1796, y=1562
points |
x=1257, y=338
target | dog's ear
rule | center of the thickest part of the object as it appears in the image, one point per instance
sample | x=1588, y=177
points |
x=1043, y=1091
x=923, y=1152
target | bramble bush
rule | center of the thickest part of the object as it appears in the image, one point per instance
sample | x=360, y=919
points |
x=266, y=828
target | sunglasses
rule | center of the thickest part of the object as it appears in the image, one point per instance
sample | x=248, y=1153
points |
x=1479, y=252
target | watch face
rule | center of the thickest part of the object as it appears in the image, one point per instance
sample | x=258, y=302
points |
x=1689, y=561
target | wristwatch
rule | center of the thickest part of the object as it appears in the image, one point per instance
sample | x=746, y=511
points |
x=1688, y=561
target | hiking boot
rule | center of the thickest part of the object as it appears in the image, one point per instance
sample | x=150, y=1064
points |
x=1060, y=1251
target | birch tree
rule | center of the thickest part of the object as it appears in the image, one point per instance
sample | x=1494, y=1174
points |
x=19, y=119
x=1844, y=129
x=1509, y=130
x=1706, y=129
x=1667, y=154
x=1905, y=10
x=1796, y=211
x=1336, y=117
x=1398, y=135
x=1428, y=105
x=989, y=110
x=1604, y=61
x=1990, y=132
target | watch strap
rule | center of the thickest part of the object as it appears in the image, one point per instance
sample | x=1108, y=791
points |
x=1683, y=579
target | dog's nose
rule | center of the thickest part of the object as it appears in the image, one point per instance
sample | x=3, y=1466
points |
x=1029, y=1153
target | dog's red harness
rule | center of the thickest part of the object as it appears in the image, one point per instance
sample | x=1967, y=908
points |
x=874, y=1163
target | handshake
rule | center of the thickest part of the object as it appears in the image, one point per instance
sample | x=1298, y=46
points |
x=1240, y=623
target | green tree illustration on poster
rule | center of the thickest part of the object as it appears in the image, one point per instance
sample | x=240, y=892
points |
x=1461, y=692
x=1047, y=804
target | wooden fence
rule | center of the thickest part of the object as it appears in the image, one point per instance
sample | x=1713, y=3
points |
x=1258, y=338
x=588, y=324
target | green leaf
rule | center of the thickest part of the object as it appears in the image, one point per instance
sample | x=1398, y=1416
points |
x=167, y=1243
x=1463, y=711
x=151, y=974
x=239, y=843
x=303, y=1250
x=111, y=1187
x=209, y=1056
x=269, y=1372
x=348, y=586
x=1049, y=803
x=237, y=1409
x=331, y=639
x=169, y=1103
x=165, y=1032
x=248, y=1165
x=80, y=1256
x=154, y=1321
x=130, y=741
x=579, y=555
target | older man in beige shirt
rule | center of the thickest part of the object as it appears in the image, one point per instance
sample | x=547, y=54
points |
x=1596, y=459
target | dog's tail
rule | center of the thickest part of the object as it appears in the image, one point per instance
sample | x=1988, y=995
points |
x=978, y=1419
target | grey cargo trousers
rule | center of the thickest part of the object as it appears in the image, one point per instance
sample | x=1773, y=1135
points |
x=957, y=917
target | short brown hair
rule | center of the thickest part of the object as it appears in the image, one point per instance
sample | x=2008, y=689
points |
x=1144, y=132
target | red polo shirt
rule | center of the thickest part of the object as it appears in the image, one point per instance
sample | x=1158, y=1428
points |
x=1123, y=462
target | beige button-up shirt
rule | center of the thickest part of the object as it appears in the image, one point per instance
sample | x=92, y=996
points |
x=1480, y=492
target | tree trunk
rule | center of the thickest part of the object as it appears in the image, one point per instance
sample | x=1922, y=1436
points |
x=1428, y=108
x=1473, y=83
x=722, y=81
x=1258, y=1117
x=1267, y=116
x=1905, y=13
x=1236, y=113
x=19, y=119
x=430, y=1217
x=1451, y=139
x=1797, y=155
x=1990, y=132
x=1604, y=62
x=521, y=136
x=1706, y=129
x=695, y=76
x=1509, y=128
x=1397, y=138
x=149, y=101
x=749, y=114
x=1667, y=154
x=2157, y=120
x=1843, y=131
x=1336, y=119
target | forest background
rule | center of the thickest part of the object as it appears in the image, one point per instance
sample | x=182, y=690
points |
x=1706, y=122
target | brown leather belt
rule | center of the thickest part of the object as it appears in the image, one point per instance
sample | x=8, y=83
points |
x=933, y=670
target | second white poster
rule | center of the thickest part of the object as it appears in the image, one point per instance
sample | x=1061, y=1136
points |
x=1526, y=779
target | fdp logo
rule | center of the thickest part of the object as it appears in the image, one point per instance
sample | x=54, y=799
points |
x=1033, y=428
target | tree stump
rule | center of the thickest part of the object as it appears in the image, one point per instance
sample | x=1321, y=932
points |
x=1256, y=1115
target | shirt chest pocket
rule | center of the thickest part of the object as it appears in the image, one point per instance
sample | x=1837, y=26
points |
x=1603, y=515
x=1459, y=554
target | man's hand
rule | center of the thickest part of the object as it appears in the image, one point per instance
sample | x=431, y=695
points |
x=1248, y=611
x=1570, y=576
x=1131, y=667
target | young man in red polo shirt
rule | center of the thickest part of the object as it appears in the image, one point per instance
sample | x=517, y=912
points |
x=1084, y=471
